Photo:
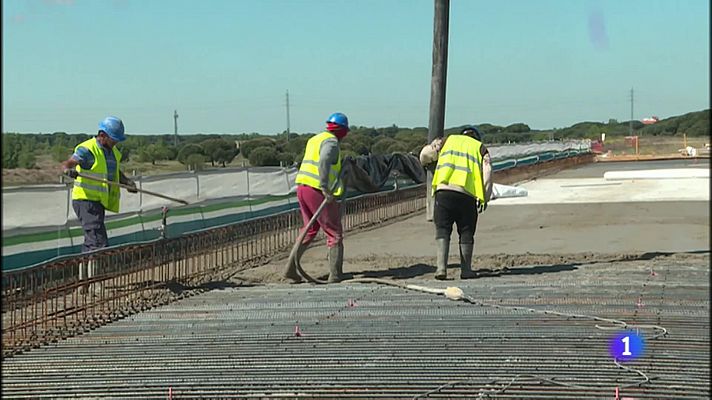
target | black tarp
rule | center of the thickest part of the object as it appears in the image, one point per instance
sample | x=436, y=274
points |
x=368, y=174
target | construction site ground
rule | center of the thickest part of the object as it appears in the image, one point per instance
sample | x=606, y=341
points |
x=578, y=217
x=562, y=271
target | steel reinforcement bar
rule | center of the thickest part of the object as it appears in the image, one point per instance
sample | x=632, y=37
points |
x=59, y=299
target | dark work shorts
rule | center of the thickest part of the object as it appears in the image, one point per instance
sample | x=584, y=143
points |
x=458, y=208
x=91, y=215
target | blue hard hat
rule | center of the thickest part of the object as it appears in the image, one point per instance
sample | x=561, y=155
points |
x=339, y=119
x=113, y=127
x=473, y=131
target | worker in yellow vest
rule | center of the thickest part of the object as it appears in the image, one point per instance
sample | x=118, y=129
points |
x=462, y=186
x=318, y=179
x=98, y=158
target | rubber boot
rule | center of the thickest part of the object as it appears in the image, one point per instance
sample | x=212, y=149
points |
x=466, y=251
x=336, y=263
x=443, y=250
x=291, y=269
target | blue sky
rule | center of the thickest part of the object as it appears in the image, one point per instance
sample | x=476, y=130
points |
x=226, y=65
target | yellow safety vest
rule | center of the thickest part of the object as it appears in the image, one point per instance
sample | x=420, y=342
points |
x=309, y=171
x=87, y=189
x=460, y=163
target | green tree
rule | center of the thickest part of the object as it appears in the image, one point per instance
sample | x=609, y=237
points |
x=170, y=152
x=60, y=139
x=60, y=153
x=10, y=150
x=382, y=145
x=155, y=152
x=517, y=128
x=26, y=159
x=194, y=162
x=489, y=129
x=360, y=143
x=286, y=159
x=397, y=147
x=264, y=156
x=188, y=150
x=132, y=146
x=219, y=150
x=297, y=145
x=389, y=131
x=247, y=146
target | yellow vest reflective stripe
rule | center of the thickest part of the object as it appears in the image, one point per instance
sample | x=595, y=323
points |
x=309, y=170
x=87, y=189
x=460, y=163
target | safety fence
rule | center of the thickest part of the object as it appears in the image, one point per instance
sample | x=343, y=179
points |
x=57, y=299
x=50, y=229
x=536, y=158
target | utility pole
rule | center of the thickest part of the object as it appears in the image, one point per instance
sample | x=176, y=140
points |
x=175, y=128
x=438, y=82
x=287, y=115
x=630, y=124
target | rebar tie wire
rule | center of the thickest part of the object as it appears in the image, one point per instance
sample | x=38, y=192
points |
x=456, y=294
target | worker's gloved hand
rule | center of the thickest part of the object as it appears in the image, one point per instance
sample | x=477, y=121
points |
x=71, y=172
x=437, y=144
x=431, y=167
x=132, y=184
x=330, y=198
x=481, y=207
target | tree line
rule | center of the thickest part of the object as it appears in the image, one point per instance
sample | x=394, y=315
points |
x=196, y=151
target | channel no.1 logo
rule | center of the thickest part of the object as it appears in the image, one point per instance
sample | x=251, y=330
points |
x=626, y=346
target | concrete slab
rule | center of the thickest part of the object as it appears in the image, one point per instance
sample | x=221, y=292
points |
x=587, y=184
x=600, y=190
x=597, y=169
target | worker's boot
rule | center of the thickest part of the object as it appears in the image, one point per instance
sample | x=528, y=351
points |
x=336, y=263
x=466, y=251
x=443, y=250
x=291, y=269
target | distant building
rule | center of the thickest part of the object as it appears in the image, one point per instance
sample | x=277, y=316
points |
x=651, y=120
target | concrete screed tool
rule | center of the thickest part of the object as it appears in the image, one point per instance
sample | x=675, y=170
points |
x=133, y=188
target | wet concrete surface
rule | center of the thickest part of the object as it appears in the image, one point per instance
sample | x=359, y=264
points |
x=528, y=234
